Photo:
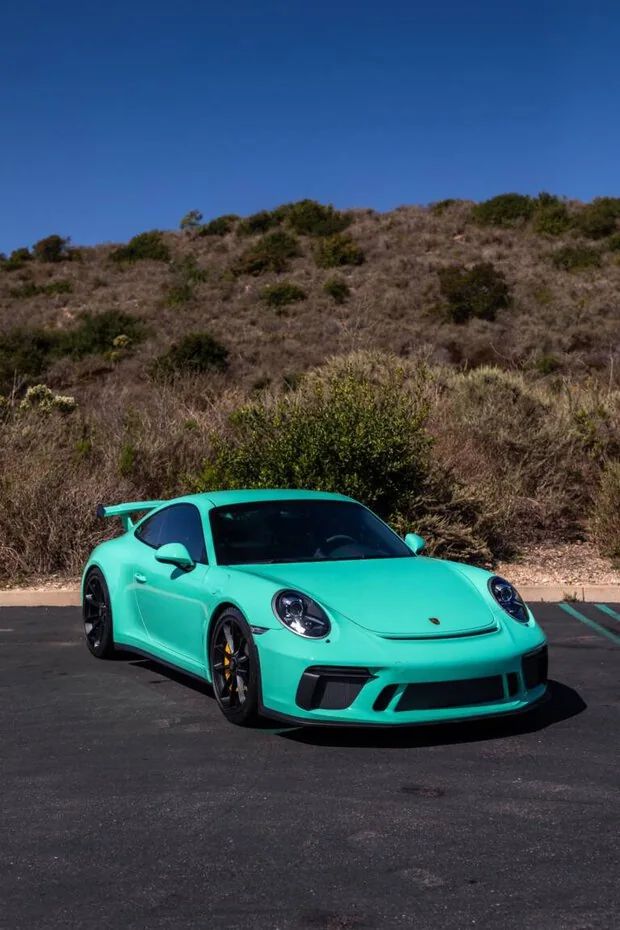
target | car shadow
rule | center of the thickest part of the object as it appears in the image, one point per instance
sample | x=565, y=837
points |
x=563, y=702
x=166, y=671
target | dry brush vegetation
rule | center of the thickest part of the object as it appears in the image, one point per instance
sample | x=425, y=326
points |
x=456, y=366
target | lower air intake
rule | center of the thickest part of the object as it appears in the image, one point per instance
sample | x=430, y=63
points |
x=434, y=695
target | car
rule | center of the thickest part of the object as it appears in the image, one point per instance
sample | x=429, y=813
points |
x=305, y=607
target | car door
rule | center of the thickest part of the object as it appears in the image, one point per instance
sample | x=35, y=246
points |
x=172, y=601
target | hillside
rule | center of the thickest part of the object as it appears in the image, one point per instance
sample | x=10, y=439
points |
x=158, y=340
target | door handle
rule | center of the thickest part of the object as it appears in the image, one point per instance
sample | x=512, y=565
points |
x=140, y=578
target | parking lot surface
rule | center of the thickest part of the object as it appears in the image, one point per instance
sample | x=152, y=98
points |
x=127, y=801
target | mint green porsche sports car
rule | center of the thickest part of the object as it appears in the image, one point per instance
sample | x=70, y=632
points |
x=306, y=607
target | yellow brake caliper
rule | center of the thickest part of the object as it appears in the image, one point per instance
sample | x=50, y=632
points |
x=227, y=652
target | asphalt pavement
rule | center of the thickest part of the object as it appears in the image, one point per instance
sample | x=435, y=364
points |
x=127, y=801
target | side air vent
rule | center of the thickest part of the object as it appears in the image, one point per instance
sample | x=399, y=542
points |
x=330, y=687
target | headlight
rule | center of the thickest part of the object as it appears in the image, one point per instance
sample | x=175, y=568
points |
x=508, y=598
x=301, y=614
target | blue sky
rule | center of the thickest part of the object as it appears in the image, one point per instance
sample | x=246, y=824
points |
x=120, y=117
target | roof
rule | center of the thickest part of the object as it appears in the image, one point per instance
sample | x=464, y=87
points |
x=247, y=496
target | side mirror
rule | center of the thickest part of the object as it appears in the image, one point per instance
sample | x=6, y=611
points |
x=175, y=553
x=415, y=543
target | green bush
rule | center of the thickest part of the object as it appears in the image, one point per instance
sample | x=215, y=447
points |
x=97, y=333
x=259, y=222
x=552, y=218
x=220, y=226
x=337, y=289
x=504, y=210
x=279, y=295
x=24, y=354
x=16, y=260
x=145, y=246
x=51, y=249
x=576, y=257
x=473, y=292
x=309, y=218
x=269, y=253
x=194, y=353
x=334, y=251
x=599, y=219
x=613, y=243
x=340, y=433
x=357, y=426
x=30, y=289
x=606, y=516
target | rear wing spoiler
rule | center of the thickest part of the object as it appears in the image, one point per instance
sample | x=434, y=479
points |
x=124, y=511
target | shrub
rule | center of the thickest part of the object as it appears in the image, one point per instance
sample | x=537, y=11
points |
x=473, y=292
x=309, y=218
x=259, y=222
x=30, y=289
x=440, y=206
x=179, y=293
x=576, y=257
x=504, y=210
x=606, y=515
x=51, y=249
x=532, y=452
x=547, y=364
x=219, y=226
x=195, y=353
x=96, y=333
x=356, y=425
x=337, y=289
x=16, y=260
x=270, y=253
x=191, y=220
x=24, y=353
x=145, y=246
x=279, y=295
x=40, y=397
x=599, y=218
x=613, y=243
x=334, y=251
x=337, y=433
x=187, y=274
x=552, y=218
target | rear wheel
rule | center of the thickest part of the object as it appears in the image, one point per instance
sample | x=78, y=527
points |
x=97, y=615
x=234, y=668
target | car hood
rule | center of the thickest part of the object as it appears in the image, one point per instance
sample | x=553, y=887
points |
x=391, y=597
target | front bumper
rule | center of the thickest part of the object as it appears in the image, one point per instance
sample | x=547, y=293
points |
x=405, y=682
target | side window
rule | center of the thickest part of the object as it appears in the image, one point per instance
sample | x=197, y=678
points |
x=150, y=530
x=179, y=523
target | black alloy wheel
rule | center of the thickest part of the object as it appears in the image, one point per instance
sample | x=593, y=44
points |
x=234, y=668
x=97, y=615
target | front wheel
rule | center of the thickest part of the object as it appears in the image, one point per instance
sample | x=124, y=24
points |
x=235, y=670
x=97, y=615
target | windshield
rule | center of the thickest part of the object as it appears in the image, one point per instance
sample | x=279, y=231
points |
x=301, y=531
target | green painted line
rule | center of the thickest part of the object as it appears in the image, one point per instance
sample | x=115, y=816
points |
x=607, y=610
x=591, y=623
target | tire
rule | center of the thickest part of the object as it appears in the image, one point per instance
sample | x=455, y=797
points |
x=235, y=670
x=97, y=615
